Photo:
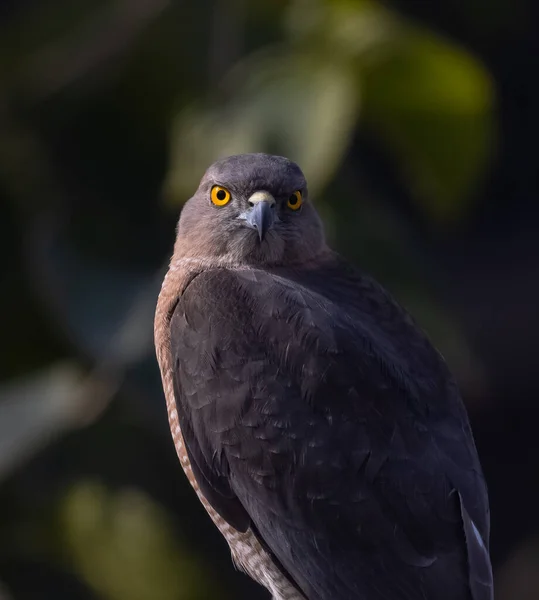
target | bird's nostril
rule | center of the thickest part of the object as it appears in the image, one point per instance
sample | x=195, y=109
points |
x=251, y=204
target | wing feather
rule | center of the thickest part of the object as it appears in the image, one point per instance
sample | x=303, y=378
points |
x=315, y=411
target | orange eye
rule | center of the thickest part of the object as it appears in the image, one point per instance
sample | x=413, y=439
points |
x=295, y=200
x=220, y=195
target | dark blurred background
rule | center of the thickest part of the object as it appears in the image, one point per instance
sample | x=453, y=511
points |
x=417, y=125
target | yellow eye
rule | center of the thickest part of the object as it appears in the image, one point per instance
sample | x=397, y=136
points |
x=295, y=200
x=220, y=195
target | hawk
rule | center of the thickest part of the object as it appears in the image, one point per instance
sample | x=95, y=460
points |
x=322, y=432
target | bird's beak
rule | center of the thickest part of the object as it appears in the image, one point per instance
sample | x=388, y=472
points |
x=262, y=216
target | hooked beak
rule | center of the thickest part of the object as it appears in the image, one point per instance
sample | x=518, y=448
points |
x=262, y=216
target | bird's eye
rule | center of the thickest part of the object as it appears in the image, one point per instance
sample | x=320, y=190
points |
x=295, y=200
x=220, y=195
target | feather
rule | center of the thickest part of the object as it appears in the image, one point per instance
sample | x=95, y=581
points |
x=316, y=413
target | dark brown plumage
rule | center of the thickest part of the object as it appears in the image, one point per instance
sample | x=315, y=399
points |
x=322, y=431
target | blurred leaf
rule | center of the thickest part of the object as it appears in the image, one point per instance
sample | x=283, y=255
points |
x=106, y=311
x=433, y=105
x=345, y=28
x=35, y=409
x=431, y=102
x=280, y=103
x=110, y=313
x=124, y=546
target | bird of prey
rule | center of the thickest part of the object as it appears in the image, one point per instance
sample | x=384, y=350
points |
x=320, y=429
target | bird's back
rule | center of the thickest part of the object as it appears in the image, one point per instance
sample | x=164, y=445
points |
x=316, y=413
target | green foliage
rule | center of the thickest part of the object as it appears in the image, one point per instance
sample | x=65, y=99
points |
x=432, y=104
x=125, y=547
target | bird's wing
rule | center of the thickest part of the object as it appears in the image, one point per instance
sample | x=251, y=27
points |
x=331, y=427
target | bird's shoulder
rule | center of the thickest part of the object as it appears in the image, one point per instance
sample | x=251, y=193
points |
x=330, y=308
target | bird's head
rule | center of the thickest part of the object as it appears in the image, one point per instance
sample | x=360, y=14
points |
x=251, y=209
